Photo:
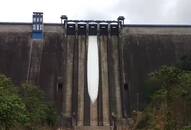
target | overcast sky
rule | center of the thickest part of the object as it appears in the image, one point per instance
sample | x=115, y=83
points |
x=135, y=11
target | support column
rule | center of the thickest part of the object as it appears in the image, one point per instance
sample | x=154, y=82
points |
x=81, y=79
x=69, y=75
x=116, y=70
x=104, y=79
x=123, y=81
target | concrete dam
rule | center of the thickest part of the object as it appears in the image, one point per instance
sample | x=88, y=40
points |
x=93, y=71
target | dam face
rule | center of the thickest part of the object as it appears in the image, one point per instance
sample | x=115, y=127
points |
x=75, y=59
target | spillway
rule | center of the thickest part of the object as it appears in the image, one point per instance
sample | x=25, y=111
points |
x=93, y=68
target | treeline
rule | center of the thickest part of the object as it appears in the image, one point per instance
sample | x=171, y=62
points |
x=168, y=93
x=24, y=107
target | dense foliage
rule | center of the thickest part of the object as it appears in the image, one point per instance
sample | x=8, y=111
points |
x=24, y=107
x=170, y=98
x=12, y=109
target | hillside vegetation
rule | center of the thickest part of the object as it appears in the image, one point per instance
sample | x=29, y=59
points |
x=24, y=107
x=168, y=92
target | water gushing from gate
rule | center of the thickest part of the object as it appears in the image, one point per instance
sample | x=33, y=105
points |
x=93, y=68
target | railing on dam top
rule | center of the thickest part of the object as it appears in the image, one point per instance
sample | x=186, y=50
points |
x=92, y=27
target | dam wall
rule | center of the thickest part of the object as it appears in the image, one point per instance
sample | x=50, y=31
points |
x=145, y=49
x=58, y=65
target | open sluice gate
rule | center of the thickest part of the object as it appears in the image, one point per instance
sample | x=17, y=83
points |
x=93, y=68
x=92, y=28
x=93, y=47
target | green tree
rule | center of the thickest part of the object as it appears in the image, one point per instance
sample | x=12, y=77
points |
x=39, y=112
x=12, y=109
x=170, y=106
x=24, y=107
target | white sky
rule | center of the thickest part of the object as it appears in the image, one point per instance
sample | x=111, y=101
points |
x=135, y=11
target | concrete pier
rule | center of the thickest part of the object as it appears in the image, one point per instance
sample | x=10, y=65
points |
x=116, y=73
x=69, y=75
x=81, y=80
x=104, y=76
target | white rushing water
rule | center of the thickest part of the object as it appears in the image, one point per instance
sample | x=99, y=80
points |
x=93, y=68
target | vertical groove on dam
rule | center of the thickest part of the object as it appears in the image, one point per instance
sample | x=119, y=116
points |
x=75, y=77
x=86, y=95
x=29, y=61
x=100, y=101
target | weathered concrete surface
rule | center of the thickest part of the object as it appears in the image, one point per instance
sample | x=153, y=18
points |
x=115, y=76
x=145, y=50
x=103, y=42
x=51, y=64
x=14, y=48
x=81, y=79
x=59, y=66
x=34, y=61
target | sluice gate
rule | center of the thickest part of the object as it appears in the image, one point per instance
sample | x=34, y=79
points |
x=92, y=79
